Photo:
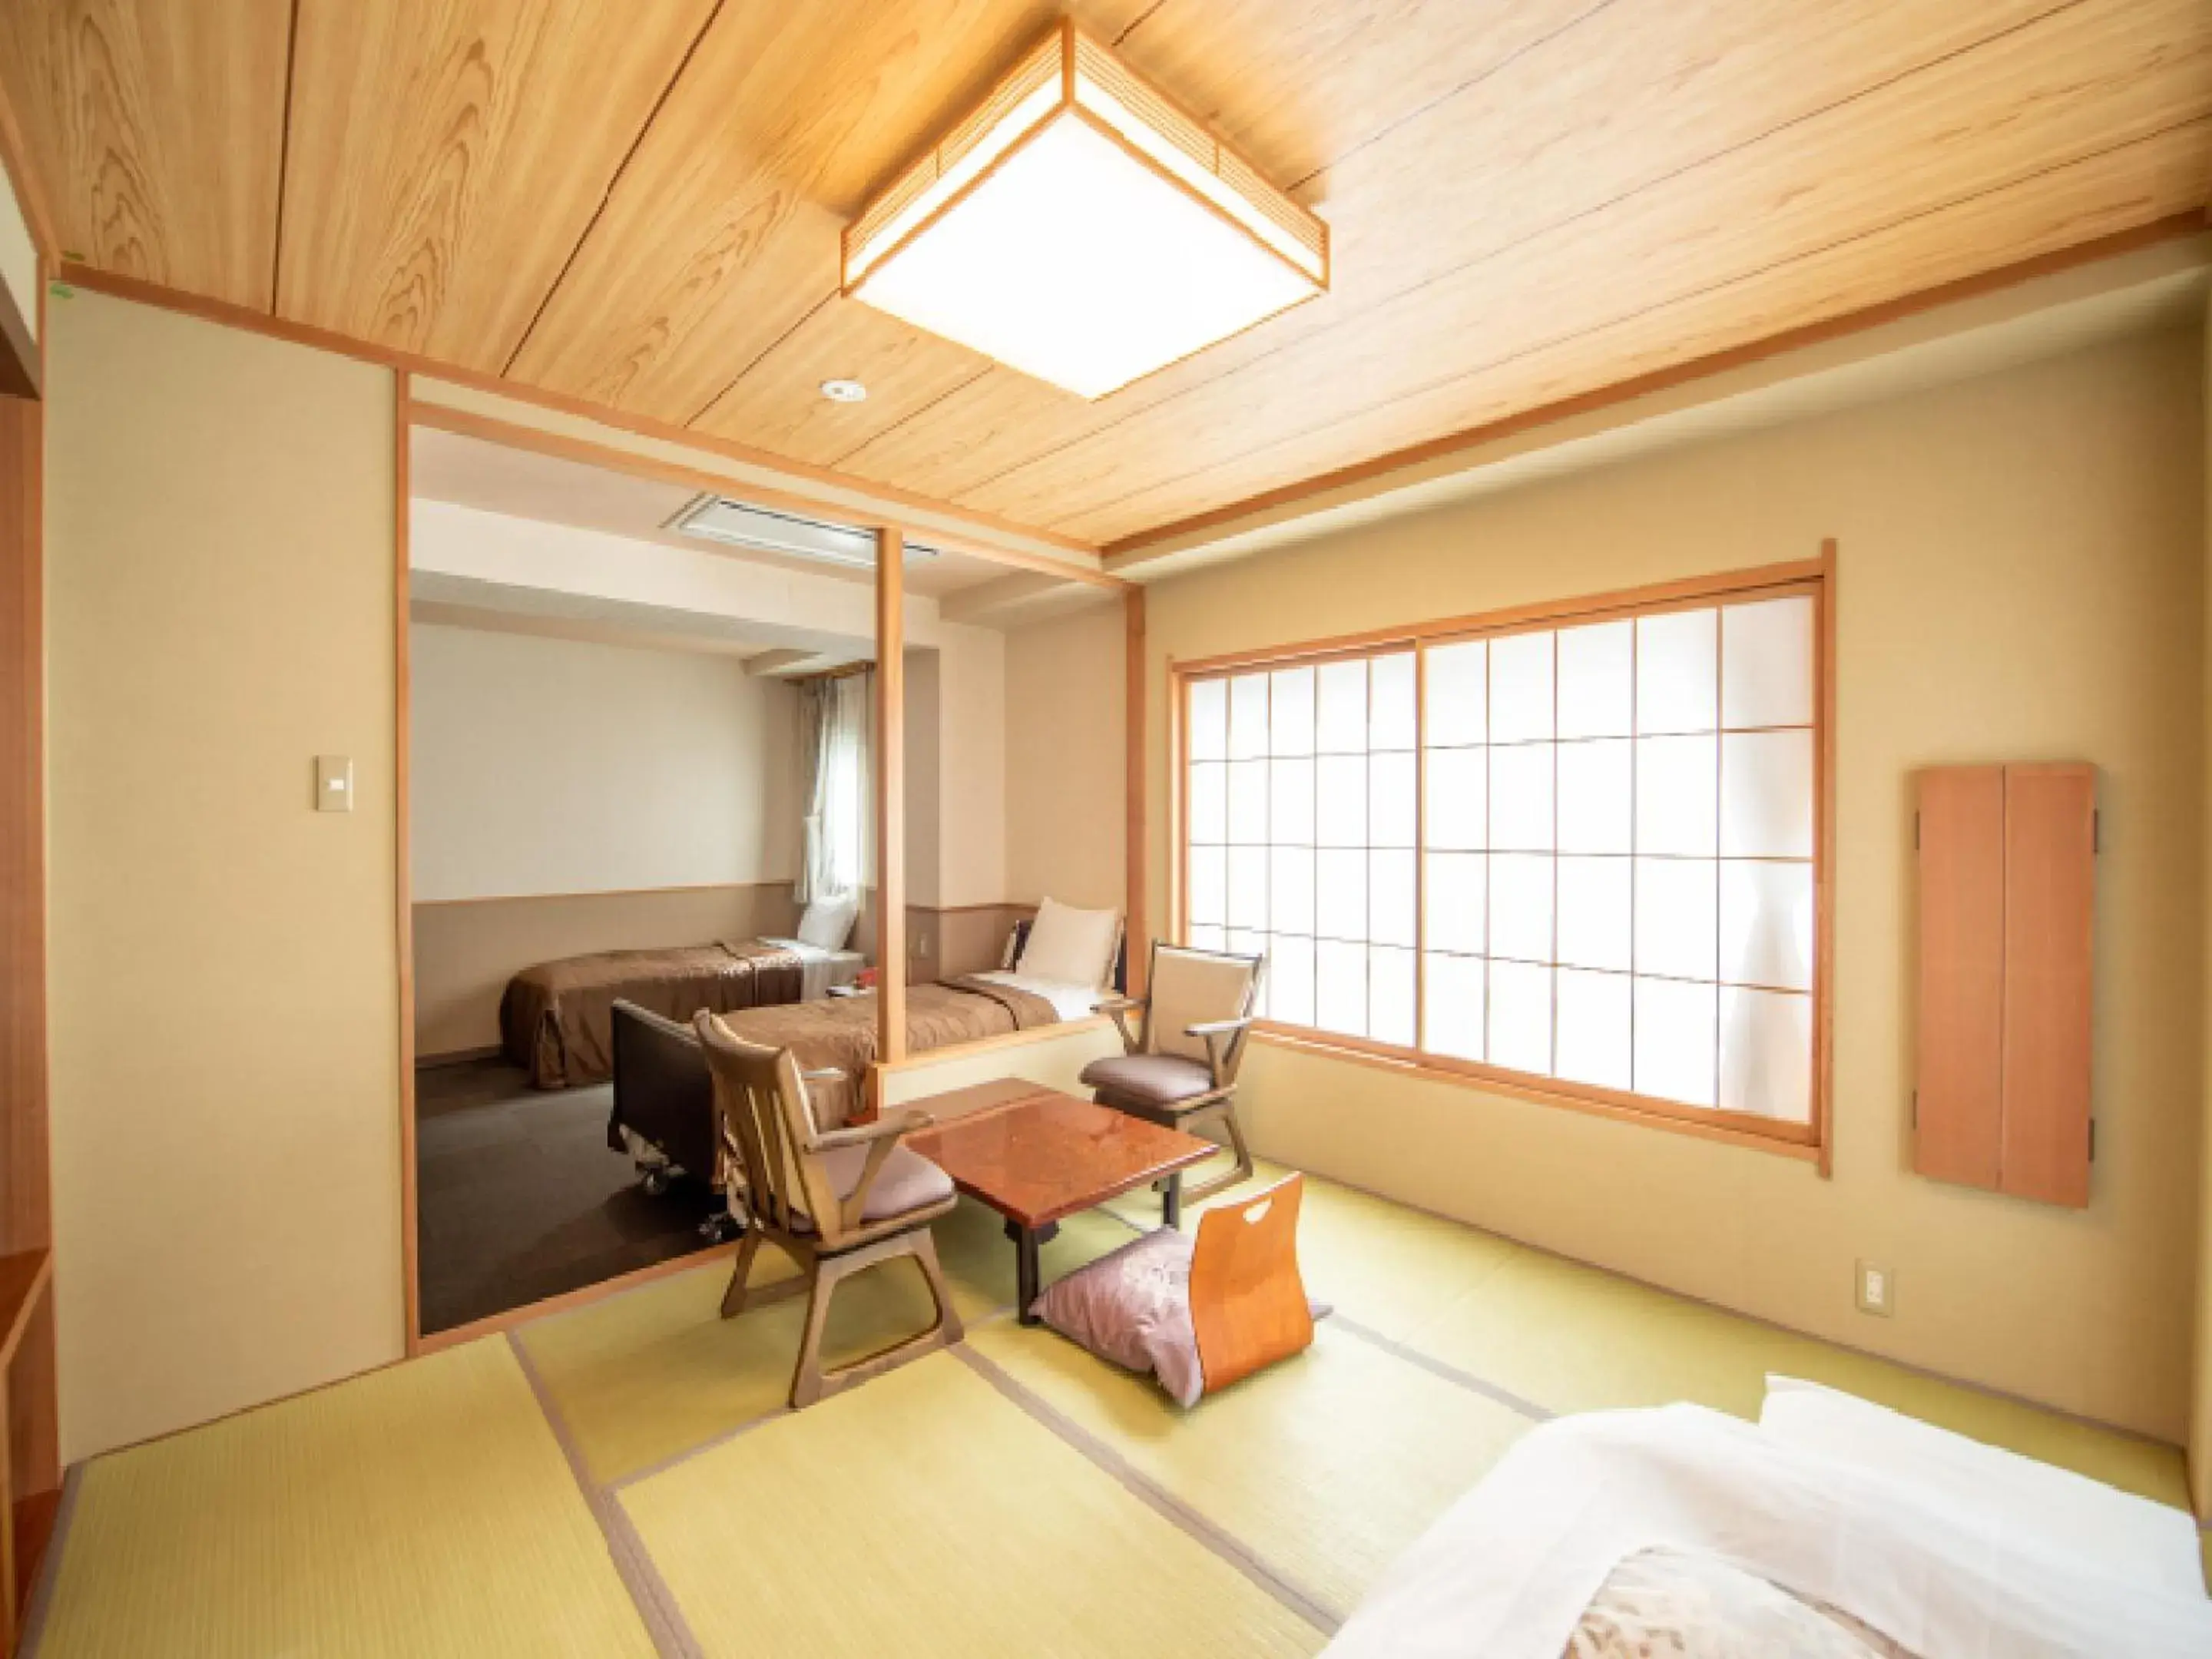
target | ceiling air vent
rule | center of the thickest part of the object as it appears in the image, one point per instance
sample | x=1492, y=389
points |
x=734, y=524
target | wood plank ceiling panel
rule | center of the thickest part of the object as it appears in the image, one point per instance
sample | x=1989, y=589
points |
x=641, y=206
x=2077, y=81
x=722, y=234
x=447, y=155
x=1293, y=83
x=157, y=131
x=2135, y=184
x=778, y=404
x=1584, y=116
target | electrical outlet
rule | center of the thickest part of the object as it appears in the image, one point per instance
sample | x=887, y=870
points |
x=1877, y=1288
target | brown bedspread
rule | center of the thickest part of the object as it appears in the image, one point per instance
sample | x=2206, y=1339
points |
x=556, y=1020
x=840, y=1031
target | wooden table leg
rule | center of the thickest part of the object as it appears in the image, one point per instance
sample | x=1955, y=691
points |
x=1028, y=1269
x=1171, y=1200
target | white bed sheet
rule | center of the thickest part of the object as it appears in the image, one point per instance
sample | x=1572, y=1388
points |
x=1508, y=1570
x=1068, y=1001
x=819, y=970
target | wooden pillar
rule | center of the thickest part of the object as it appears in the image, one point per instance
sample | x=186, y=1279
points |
x=30, y=1464
x=1133, y=684
x=404, y=851
x=891, y=794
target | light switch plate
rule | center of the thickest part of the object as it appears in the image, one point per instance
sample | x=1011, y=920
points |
x=334, y=783
x=1877, y=1289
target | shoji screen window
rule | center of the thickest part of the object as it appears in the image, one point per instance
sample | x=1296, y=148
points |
x=1580, y=855
x=1303, y=816
x=1618, y=885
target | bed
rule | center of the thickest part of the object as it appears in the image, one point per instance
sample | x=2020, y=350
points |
x=1059, y=966
x=1833, y=1528
x=821, y=971
x=663, y=1107
x=556, y=1020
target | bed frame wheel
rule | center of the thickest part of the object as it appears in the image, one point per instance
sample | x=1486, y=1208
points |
x=654, y=1180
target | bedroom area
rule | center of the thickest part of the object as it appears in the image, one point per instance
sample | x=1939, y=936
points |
x=643, y=727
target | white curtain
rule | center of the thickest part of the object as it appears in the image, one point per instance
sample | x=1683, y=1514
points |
x=833, y=750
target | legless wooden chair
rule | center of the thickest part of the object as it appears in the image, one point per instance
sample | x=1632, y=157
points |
x=1248, y=1302
x=1197, y=1010
x=836, y=1204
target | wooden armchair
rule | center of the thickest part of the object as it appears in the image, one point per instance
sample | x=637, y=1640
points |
x=1181, y=1066
x=836, y=1204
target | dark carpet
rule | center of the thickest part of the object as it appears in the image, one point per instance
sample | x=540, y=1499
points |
x=520, y=1197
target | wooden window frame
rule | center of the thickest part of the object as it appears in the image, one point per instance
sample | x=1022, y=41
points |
x=1816, y=578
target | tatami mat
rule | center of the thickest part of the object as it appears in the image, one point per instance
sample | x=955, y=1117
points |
x=654, y=1372
x=425, y=1508
x=1001, y=1499
x=1571, y=1338
x=1326, y=1466
x=926, y=1514
x=1397, y=1267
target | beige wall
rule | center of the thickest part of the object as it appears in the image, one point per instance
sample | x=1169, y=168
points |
x=2021, y=577
x=956, y=769
x=466, y=951
x=224, y=1005
x=925, y=793
x=1066, y=794
x=971, y=757
x=544, y=766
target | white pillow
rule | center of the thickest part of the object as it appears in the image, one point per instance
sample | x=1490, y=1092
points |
x=827, y=923
x=1069, y=946
x=2125, y=1537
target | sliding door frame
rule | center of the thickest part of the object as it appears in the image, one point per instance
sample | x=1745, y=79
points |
x=888, y=805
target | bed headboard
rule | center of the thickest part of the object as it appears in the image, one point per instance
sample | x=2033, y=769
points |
x=1020, y=936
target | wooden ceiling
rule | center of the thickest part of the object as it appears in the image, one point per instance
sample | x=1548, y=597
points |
x=639, y=205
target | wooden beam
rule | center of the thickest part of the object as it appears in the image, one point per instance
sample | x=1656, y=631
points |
x=800, y=475
x=469, y=425
x=1174, y=536
x=25, y=1211
x=1132, y=687
x=890, y=796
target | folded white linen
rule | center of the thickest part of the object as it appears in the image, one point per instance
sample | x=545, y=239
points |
x=819, y=970
x=2124, y=1535
x=1068, y=1001
x=1508, y=1570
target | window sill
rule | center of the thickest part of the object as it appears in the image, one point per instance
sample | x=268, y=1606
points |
x=1430, y=1069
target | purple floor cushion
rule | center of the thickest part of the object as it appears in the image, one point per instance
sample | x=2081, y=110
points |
x=1132, y=1307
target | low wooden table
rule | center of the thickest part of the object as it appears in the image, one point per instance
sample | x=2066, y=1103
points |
x=1048, y=1155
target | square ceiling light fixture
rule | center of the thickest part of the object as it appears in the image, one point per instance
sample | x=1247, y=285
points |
x=1082, y=229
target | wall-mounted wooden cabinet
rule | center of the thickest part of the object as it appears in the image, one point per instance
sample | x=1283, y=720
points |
x=2008, y=878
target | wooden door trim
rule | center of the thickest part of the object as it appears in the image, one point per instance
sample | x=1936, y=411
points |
x=1136, y=853
x=889, y=769
x=468, y=423
x=404, y=861
x=800, y=475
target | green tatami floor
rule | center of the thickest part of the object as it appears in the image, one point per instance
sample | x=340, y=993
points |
x=623, y=1479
